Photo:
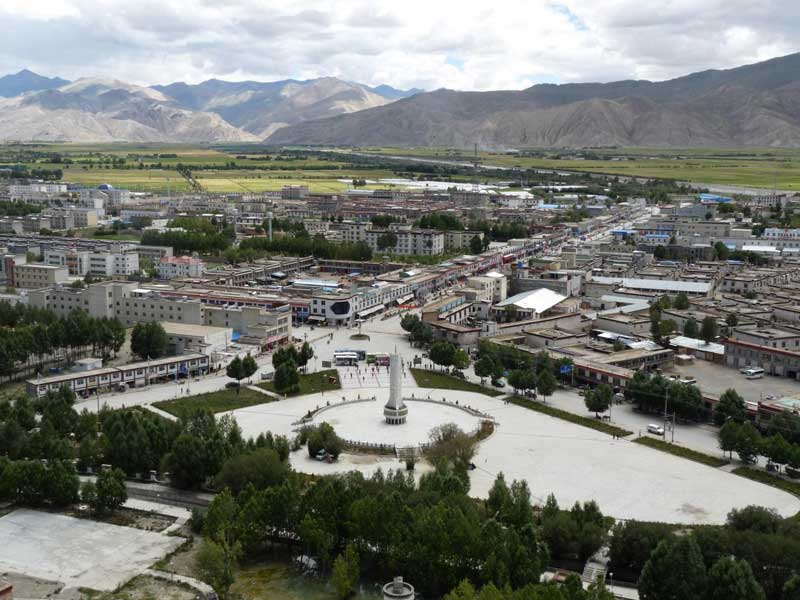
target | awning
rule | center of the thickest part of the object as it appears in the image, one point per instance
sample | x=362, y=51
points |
x=370, y=311
x=316, y=318
x=405, y=299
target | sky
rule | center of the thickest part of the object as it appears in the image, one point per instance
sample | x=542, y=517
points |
x=456, y=44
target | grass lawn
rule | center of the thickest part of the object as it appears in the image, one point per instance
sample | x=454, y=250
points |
x=793, y=487
x=312, y=383
x=551, y=410
x=220, y=401
x=441, y=381
x=706, y=459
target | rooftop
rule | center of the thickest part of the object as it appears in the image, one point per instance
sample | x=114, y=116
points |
x=538, y=300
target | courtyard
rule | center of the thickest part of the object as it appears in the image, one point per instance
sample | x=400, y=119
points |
x=78, y=552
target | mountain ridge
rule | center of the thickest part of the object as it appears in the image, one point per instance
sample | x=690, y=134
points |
x=750, y=105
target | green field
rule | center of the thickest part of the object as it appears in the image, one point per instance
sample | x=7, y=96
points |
x=313, y=383
x=441, y=381
x=254, y=168
x=753, y=167
x=215, y=402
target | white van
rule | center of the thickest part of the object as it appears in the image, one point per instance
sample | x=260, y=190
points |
x=754, y=373
x=655, y=429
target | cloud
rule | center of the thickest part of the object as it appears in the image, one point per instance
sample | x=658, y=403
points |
x=460, y=45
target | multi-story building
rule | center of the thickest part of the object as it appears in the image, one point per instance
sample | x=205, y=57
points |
x=111, y=264
x=35, y=276
x=171, y=267
x=776, y=351
x=77, y=261
x=21, y=190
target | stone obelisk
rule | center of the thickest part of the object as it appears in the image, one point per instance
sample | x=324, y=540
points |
x=395, y=410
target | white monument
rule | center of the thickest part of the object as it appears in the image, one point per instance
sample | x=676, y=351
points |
x=395, y=410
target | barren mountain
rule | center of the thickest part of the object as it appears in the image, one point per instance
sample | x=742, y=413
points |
x=108, y=110
x=262, y=108
x=754, y=105
x=27, y=81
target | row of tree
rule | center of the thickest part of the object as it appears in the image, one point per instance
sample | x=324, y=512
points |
x=651, y=393
x=30, y=341
x=755, y=555
x=186, y=242
x=303, y=245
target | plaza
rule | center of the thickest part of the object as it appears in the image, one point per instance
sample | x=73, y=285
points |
x=629, y=481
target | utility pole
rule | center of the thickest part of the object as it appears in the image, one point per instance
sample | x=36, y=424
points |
x=666, y=416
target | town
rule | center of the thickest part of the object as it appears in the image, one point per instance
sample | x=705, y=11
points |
x=592, y=345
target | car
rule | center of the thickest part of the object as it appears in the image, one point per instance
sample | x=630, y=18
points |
x=231, y=384
x=655, y=429
x=267, y=376
x=498, y=383
x=619, y=397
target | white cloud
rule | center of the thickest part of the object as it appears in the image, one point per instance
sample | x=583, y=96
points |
x=509, y=44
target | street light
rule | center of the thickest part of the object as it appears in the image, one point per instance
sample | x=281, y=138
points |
x=611, y=584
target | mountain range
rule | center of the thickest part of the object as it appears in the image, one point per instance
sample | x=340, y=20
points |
x=33, y=107
x=753, y=105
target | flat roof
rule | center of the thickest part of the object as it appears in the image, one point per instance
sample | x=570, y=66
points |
x=695, y=344
x=666, y=285
x=538, y=300
x=189, y=329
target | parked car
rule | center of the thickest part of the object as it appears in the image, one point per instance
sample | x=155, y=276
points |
x=267, y=376
x=232, y=384
x=655, y=429
x=498, y=383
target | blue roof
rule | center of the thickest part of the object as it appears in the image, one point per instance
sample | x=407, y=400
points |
x=715, y=198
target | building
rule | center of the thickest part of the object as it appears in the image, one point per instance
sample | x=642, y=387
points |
x=77, y=261
x=527, y=305
x=199, y=339
x=112, y=264
x=410, y=242
x=172, y=267
x=137, y=374
x=698, y=348
x=35, y=276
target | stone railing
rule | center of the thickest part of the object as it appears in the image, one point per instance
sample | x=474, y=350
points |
x=309, y=417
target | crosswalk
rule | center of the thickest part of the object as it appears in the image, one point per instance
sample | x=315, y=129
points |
x=353, y=378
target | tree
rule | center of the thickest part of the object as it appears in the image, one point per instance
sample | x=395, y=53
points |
x=659, y=253
x=346, y=571
x=236, y=370
x=287, y=379
x=729, y=436
x=285, y=354
x=732, y=579
x=599, y=400
x=674, y=571
x=690, y=328
x=450, y=445
x=732, y=320
x=185, y=461
x=708, y=330
x=216, y=567
x=546, y=383
x=521, y=379
x=387, y=240
x=791, y=590
x=484, y=367
x=721, y=251
x=748, y=443
x=442, y=353
x=476, y=245
x=263, y=468
x=460, y=359
x=681, y=301
x=249, y=366
x=306, y=354
x=730, y=406
x=149, y=340
x=109, y=492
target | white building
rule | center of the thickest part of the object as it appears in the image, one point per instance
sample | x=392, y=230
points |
x=171, y=267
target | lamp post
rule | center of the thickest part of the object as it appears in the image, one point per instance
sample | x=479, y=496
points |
x=611, y=584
